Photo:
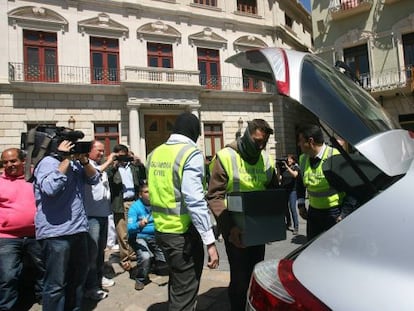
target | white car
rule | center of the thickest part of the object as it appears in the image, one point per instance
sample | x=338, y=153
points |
x=366, y=261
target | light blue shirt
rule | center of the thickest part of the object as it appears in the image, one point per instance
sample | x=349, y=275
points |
x=192, y=190
x=127, y=181
x=59, y=199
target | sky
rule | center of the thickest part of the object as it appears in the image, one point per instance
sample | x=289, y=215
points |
x=306, y=4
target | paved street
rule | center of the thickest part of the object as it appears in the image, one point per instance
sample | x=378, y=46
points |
x=213, y=290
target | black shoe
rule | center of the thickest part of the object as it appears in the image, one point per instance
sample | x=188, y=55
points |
x=139, y=285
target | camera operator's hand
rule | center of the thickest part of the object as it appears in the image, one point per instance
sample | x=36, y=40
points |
x=64, y=149
x=83, y=158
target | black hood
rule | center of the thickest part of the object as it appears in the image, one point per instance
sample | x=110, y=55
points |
x=187, y=124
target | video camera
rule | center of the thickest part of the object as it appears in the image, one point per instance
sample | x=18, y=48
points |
x=47, y=138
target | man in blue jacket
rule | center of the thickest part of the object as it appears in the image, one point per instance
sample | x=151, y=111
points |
x=142, y=238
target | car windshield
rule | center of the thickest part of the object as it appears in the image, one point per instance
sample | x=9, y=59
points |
x=339, y=102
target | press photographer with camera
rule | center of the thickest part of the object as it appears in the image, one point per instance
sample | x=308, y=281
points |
x=61, y=222
x=288, y=170
x=125, y=178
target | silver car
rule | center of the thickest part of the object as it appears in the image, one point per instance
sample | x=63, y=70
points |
x=366, y=261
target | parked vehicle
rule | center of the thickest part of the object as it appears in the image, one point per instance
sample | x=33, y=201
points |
x=366, y=261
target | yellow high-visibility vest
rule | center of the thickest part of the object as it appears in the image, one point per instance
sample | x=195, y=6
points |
x=242, y=175
x=321, y=194
x=165, y=171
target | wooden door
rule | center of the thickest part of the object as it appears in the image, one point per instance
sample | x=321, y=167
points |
x=157, y=130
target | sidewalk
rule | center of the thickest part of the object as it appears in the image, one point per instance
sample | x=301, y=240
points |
x=154, y=297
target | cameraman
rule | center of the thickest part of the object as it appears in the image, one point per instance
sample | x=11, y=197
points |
x=289, y=171
x=62, y=225
x=124, y=181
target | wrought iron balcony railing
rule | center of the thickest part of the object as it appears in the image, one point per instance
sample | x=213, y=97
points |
x=58, y=74
x=344, y=8
x=64, y=74
x=387, y=80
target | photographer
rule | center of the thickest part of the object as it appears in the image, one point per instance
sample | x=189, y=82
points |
x=124, y=180
x=289, y=170
x=62, y=225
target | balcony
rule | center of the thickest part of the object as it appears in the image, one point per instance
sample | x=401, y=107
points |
x=19, y=72
x=341, y=9
x=388, y=80
x=165, y=76
x=53, y=77
x=249, y=9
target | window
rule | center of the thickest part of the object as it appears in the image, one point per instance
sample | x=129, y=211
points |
x=247, y=6
x=104, y=60
x=159, y=55
x=213, y=139
x=209, y=67
x=206, y=2
x=288, y=21
x=357, y=60
x=251, y=84
x=407, y=121
x=408, y=46
x=40, y=56
x=108, y=134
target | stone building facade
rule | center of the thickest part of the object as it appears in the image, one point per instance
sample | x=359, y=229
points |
x=375, y=38
x=121, y=71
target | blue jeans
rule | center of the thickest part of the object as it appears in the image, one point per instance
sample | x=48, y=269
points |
x=146, y=250
x=98, y=233
x=293, y=210
x=66, y=262
x=15, y=253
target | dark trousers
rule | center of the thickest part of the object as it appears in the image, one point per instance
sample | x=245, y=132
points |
x=185, y=257
x=66, y=263
x=20, y=263
x=320, y=220
x=242, y=262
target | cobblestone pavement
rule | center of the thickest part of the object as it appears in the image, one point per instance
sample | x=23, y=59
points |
x=213, y=288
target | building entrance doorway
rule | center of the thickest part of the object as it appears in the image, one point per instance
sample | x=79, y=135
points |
x=157, y=130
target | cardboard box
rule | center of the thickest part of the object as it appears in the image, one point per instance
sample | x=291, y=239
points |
x=259, y=214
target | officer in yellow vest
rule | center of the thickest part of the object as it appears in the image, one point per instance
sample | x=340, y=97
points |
x=181, y=218
x=324, y=200
x=240, y=166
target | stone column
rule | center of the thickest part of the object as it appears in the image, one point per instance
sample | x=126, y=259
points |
x=134, y=129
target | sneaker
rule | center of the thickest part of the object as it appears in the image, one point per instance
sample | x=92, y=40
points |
x=295, y=232
x=139, y=285
x=95, y=294
x=115, y=247
x=107, y=282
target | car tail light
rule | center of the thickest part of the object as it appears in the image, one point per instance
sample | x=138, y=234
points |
x=273, y=286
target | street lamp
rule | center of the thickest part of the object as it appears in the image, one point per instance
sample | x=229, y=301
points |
x=240, y=125
x=71, y=122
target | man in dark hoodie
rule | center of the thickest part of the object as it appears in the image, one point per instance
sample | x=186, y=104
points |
x=240, y=166
x=181, y=218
